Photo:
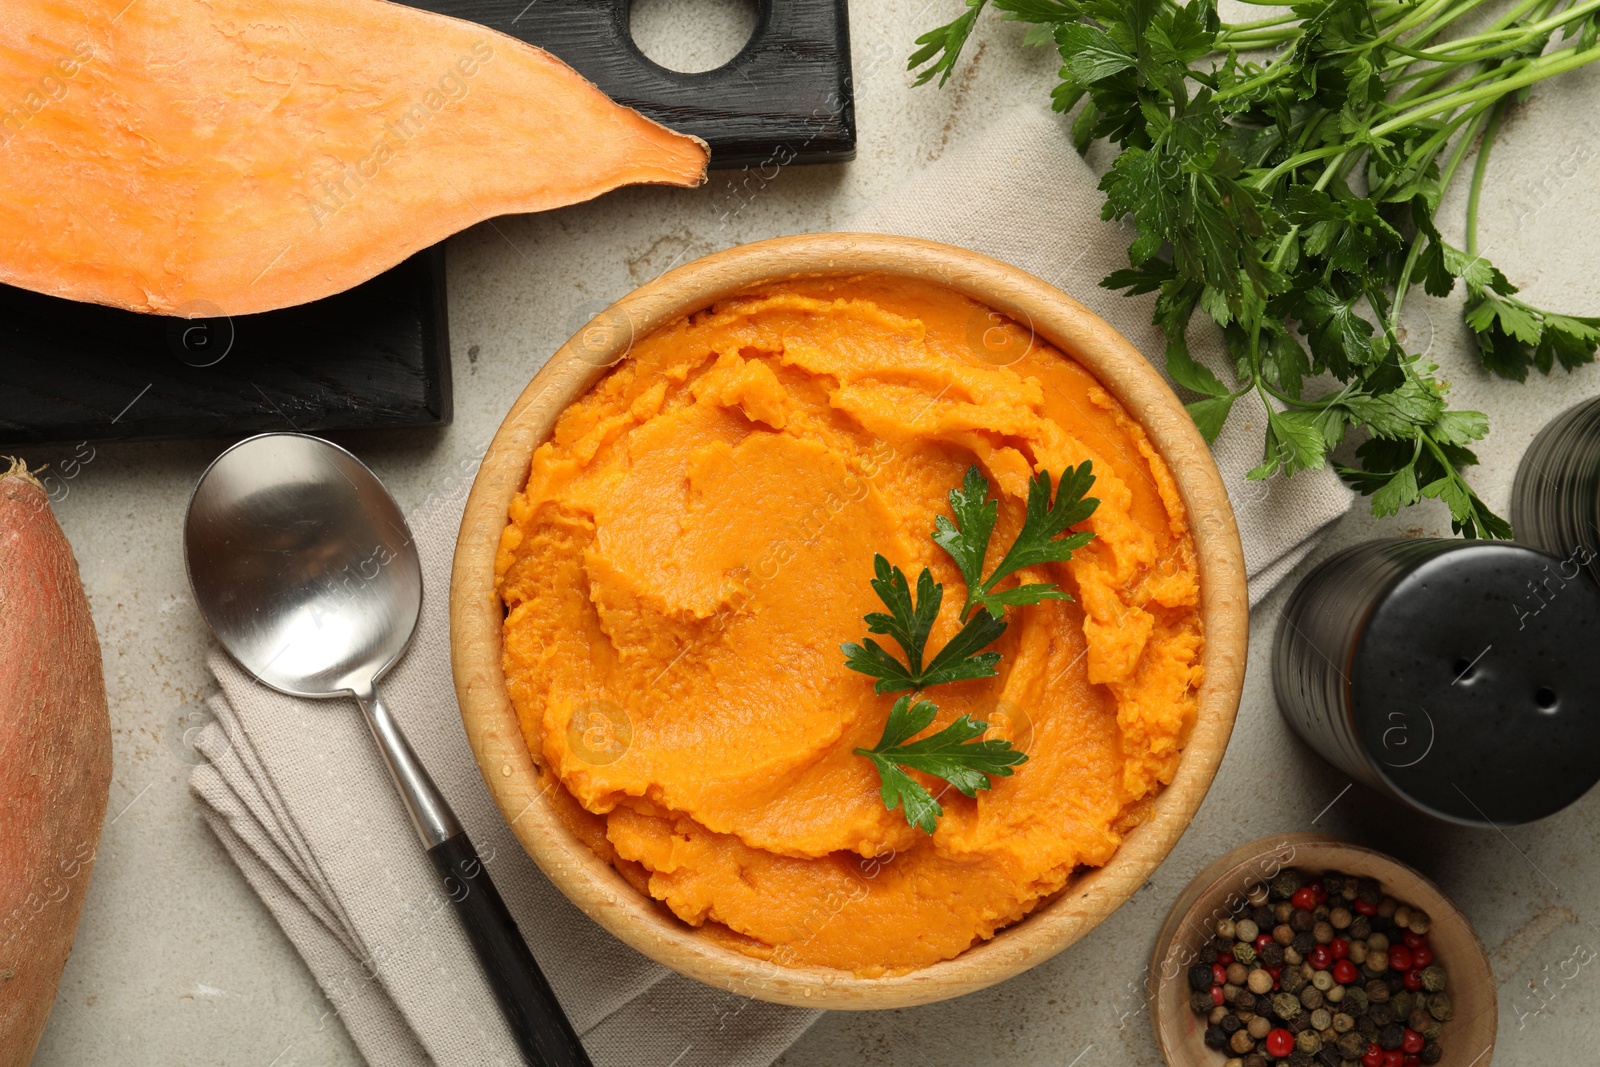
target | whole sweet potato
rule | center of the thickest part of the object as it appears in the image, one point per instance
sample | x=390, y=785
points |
x=55, y=757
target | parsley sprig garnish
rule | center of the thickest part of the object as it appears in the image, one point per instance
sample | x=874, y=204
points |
x=1282, y=176
x=951, y=753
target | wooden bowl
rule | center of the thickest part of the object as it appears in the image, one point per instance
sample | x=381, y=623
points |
x=519, y=784
x=1468, y=1037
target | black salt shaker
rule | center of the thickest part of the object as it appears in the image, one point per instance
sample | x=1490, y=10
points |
x=1461, y=678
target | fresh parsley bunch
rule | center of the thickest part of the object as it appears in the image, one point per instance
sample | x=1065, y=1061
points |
x=1282, y=175
x=952, y=753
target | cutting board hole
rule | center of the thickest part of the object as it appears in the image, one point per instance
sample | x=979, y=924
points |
x=691, y=36
x=1545, y=697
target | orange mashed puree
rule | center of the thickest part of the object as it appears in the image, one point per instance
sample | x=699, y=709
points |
x=694, y=544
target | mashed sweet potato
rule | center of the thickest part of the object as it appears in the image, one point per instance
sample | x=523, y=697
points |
x=695, y=542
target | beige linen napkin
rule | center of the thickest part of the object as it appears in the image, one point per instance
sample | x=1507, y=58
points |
x=298, y=796
x=1019, y=192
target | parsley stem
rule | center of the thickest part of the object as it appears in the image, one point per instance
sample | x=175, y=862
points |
x=1479, y=168
x=1536, y=71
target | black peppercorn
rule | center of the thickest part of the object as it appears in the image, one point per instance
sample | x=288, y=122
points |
x=1298, y=1058
x=1231, y=1023
x=1208, y=953
x=1419, y=1020
x=1329, y=1056
x=1200, y=978
x=1255, y=1059
x=1382, y=1014
x=1389, y=1037
x=1366, y=1027
x=1431, y=1053
x=1304, y=942
x=1264, y=917
x=1360, y=928
x=1216, y=1037
x=1245, y=1001
x=1394, y=981
x=1301, y=920
x=1377, y=990
x=1368, y=891
x=1352, y=1045
x=1201, y=1003
x=1285, y=884
x=1271, y=954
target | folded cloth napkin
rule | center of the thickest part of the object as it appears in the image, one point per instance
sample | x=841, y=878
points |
x=1019, y=192
x=298, y=796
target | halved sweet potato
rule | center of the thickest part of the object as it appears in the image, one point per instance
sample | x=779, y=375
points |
x=232, y=156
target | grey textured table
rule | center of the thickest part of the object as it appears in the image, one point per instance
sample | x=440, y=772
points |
x=176, y=960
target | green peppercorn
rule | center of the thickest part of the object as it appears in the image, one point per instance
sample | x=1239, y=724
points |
x=1433, y=978
x=1201, y=1003
x=1403, y=1003
x=1382, y=1014
x=1389, y=1037
x=1286, y=884
x=1292, y=980
x=1244, y=952
x=1360, y=928
x=1440, y=1008
x=1356, y=1001
x=1286, y=1006
x=1352, y=1045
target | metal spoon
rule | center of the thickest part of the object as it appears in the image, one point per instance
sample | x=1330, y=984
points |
x=304, y=568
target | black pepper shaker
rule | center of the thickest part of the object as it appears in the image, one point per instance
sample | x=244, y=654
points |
x=1458, y=677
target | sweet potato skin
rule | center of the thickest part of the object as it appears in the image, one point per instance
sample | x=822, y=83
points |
x=55, y=758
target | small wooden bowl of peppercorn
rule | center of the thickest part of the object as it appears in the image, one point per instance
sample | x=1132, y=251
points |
x=1306, y=951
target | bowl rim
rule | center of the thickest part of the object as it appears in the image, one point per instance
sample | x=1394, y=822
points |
x=519, y=785
x=1309, y=850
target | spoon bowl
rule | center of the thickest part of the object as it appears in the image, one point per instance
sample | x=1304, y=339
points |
x=302, y=565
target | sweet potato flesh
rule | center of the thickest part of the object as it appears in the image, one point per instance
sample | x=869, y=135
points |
x=233, y=156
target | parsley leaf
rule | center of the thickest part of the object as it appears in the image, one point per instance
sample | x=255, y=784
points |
x=966, y=540
x=951, y=754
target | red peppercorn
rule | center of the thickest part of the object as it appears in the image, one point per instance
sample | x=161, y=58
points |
x=1262, y=941
x=1321, y=957
x=1363, y=908
x=1400, y=958
x=1216, y=994
x=1219, y=973
x=1338, y=946
x=1276, y=972
x=1304, y=899
x=1394, y=1058
x=1373, y=1056
x=1280, y=1043
x=1412, y=980
x=1319, y=891
x=1412, y=1061
x=1415, y=940
x=1225, y=958
x=1421, y=956
x=1344, y=972
x=1411, y=1042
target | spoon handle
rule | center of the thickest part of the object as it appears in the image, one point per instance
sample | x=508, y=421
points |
x=544, y=1036
x=542, y=1031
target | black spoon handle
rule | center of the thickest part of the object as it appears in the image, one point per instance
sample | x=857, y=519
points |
x=544, y=1036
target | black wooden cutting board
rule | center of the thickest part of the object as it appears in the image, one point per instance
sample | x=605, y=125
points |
x=379, y=355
